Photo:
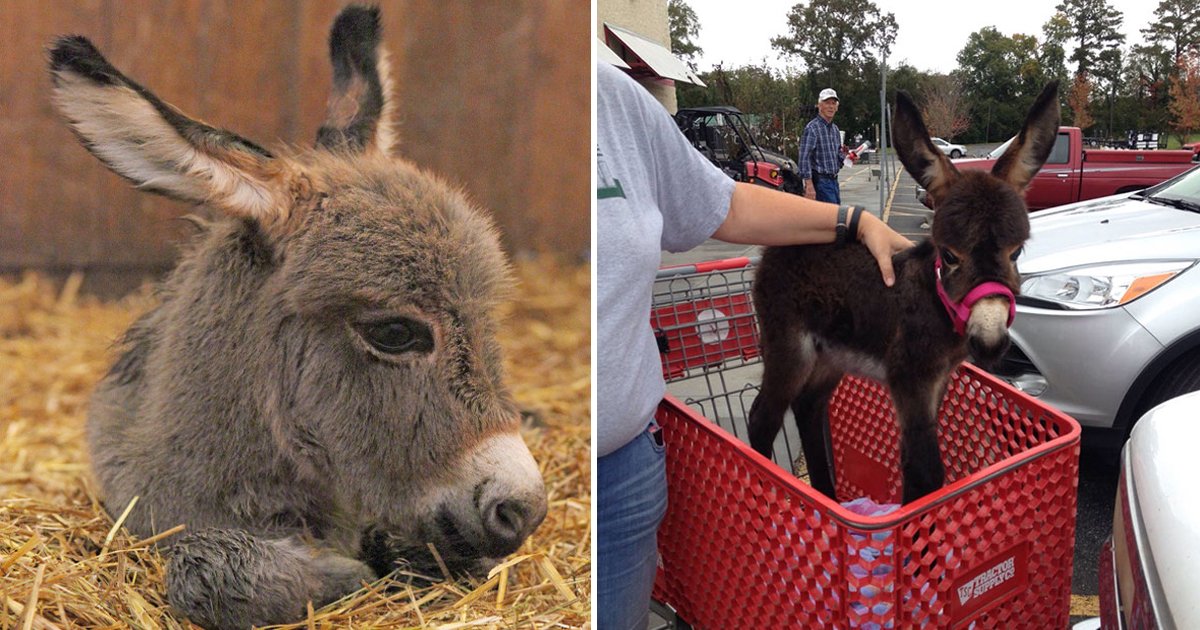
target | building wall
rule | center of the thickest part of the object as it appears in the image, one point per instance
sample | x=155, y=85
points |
x=494, y=95
x=647, y=18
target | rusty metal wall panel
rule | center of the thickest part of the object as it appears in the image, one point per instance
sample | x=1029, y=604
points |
x=55, y=200
x=561, y=118
x=493, y=95
x=496, y=94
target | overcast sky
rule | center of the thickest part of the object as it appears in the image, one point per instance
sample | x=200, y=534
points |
x=931, y=32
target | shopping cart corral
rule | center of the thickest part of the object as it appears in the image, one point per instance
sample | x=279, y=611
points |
x=746, y=544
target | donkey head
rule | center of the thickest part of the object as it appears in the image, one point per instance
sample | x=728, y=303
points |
x=980, y=222
x=348, y=296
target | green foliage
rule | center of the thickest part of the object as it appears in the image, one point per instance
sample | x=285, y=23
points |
x=1147, y=95
x=836, y=39
x=1095, y=26
x=1108, y=72
x=1176, y=26
x=684, y=26
x=1053, y=56
x=1001, y=76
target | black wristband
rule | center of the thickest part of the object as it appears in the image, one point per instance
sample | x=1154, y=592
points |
x=852, y=228
x=839, y=235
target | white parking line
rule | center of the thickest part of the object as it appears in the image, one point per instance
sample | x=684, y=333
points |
x=887, y=207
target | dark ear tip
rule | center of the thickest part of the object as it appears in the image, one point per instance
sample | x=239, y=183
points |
x=77, y=54
x=356, y=23
x=67, y=50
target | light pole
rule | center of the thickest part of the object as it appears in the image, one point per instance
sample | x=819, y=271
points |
x=883, y=131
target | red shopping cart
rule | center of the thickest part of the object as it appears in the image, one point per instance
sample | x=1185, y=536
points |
x=747, y=545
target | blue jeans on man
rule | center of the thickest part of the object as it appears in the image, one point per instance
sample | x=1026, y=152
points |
x=631, y=486
x=827, y=188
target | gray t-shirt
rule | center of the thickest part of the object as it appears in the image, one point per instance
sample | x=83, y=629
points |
x=654, y=191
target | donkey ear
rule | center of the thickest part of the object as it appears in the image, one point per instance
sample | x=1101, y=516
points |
x=1032, y=146
x=921, y=159
x=153, y=145
x=358, y=115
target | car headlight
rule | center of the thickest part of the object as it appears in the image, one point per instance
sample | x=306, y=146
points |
x=1101, y=286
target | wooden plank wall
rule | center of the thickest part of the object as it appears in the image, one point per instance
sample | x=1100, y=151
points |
x=492, y=94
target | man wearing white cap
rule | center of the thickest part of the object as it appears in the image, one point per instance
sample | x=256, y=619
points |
x=820, y=152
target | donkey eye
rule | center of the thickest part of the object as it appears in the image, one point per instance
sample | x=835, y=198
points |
x=949, y=258
x=1017, y=254
x=399, y=335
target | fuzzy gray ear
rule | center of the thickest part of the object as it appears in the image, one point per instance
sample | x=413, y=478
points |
x=154, y=145
x=1025, y=156
x=929, y=166
x=358, y=115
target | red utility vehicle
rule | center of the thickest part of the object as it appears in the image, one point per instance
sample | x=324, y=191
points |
x=722, y=135
x=1073, y=173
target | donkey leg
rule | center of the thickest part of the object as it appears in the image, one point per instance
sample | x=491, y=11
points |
x=917, y=404
x=811, y=411
x=230, y=578
x=787, y=362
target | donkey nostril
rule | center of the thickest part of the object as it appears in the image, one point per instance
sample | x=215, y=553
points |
x=509, y=522
x=506, y=521
x=510, y=515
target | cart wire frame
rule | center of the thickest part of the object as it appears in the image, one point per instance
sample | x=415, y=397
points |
x=745, y=544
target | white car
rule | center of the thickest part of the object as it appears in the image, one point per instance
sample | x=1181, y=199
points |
x=955, y=151
x=1148, y=568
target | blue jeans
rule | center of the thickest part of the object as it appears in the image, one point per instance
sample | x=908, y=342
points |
x=827, y=189
x=632, y=500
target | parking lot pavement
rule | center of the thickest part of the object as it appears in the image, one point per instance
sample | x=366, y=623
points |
x=1098, y=471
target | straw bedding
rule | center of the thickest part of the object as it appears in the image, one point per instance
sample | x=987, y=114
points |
x=65, y=564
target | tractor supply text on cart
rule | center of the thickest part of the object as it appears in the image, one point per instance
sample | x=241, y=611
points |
x=988, y=580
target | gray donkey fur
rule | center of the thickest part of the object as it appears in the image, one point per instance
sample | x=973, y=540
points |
x=319, y=396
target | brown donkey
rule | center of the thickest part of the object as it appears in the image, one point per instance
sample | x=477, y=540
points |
x=823, y=310
x=319, y=396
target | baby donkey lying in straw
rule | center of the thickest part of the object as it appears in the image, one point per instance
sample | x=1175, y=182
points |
x=320, y=395
x=824, y=311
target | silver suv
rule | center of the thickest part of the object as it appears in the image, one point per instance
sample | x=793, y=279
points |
x=1108, y=320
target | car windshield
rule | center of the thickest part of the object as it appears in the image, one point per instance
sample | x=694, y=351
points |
x=1181, y=192
x=998, y=151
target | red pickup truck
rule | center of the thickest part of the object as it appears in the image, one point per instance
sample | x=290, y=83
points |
x=1073, y=173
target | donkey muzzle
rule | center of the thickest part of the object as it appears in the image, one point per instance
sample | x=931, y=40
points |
x=987, y=328
x=502, y=504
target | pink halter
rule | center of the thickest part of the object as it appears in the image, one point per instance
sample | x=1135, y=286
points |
x=960, y=312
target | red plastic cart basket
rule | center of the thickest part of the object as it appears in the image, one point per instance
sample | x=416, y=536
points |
x=747, y=545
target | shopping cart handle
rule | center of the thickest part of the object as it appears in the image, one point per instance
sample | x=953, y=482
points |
x=722, y=265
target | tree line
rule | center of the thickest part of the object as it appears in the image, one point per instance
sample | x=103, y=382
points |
x=1108, y=88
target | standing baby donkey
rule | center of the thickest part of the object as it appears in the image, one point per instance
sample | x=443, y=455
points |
x=319, y=396
x=823, y=310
